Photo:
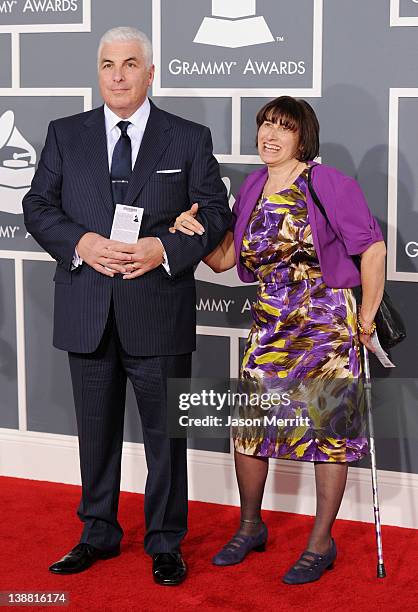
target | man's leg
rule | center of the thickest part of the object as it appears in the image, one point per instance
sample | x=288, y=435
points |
x=166, y=488
x=99, y=384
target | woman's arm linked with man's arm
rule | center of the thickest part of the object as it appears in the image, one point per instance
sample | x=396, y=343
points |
x=222, y=258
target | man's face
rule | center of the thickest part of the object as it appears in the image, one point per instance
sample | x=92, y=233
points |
x=124, y=77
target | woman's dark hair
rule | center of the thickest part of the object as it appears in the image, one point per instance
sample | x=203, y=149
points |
x=298, y=116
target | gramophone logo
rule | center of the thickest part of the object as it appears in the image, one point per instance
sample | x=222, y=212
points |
x=16, y=173
x=234, y=24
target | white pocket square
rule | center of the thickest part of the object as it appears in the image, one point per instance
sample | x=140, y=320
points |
x=168, y=171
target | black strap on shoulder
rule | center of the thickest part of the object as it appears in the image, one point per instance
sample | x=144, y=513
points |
x=314, y=194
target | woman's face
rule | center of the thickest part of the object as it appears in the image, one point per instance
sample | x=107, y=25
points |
x=277, y=143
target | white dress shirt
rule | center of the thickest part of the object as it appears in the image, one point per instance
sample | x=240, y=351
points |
x=138, y=122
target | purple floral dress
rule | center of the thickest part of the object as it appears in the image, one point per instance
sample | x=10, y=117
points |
x=303, y=338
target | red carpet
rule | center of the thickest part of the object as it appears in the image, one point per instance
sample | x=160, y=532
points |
x=39, y=525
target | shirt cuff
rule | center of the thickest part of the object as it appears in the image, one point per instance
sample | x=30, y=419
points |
x=77, y=261
x=165, y=260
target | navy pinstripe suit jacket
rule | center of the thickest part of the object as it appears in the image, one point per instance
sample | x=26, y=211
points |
x=71, y=195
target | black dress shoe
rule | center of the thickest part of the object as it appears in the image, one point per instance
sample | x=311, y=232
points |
x=80, y=558
x=168, y=569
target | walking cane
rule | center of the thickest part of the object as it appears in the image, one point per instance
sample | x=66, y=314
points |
x=381, y=572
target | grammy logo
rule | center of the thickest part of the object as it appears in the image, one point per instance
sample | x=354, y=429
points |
x=16, y=174
x=233, y=24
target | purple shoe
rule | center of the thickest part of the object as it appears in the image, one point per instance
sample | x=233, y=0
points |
x=310, y=566
x=239, y=546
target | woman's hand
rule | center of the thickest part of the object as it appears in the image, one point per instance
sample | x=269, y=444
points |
x=366, y=340
x=365, y=325
x=187, y=224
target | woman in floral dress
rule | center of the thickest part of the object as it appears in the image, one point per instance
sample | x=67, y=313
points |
x=306, y=331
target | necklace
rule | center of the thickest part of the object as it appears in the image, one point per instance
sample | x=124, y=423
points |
x=283, y=183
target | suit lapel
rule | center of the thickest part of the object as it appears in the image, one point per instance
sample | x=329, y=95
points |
x=93, y=136
x=157, y=137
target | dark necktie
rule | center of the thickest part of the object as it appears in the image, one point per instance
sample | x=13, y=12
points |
x=121, y=168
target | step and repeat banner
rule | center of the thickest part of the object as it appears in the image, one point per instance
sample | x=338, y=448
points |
x=217, y=62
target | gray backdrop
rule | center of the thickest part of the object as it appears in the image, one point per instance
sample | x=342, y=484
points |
x=363, y=58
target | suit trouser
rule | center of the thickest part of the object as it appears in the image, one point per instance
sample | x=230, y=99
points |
x=99, y=385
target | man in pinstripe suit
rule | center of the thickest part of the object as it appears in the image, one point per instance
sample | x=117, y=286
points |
x=126, y=311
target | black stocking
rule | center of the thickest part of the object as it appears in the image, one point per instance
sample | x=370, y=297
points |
x=330, y=479
x=251, y=475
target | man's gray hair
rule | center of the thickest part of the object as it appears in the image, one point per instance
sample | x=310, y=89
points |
x=125, y=34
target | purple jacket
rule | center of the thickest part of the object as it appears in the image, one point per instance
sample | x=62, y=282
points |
x=351, y=229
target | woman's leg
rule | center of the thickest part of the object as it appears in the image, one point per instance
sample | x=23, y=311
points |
x=251, y=475
x=330, y=479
